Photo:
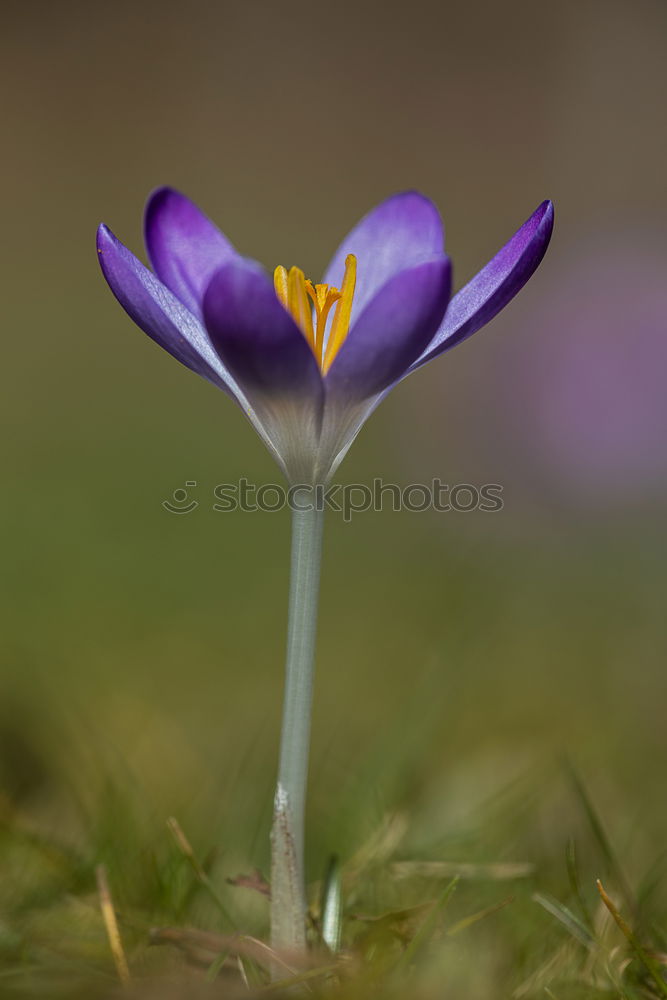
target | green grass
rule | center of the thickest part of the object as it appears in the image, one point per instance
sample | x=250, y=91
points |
x=503, y=904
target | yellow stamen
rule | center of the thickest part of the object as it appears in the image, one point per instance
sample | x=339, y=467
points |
x=323, y=298
x=293, y=292
x=298, y=304
x=341, y=320
x=280, y=284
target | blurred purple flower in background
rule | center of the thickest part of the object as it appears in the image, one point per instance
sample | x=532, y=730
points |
x=309, y=363
x=586, y=379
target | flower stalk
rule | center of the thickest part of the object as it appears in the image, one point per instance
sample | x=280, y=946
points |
x=288, y=898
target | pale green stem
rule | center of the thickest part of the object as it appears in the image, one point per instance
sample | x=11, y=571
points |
x=288, y=899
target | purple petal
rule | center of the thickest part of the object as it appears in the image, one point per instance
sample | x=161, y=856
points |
x=185, y=248
x=391, y=331
x=398, y=233
x=158, y=312
x=255, y=336
x=495, y=285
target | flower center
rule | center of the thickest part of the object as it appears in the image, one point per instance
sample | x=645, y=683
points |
x=301, y=299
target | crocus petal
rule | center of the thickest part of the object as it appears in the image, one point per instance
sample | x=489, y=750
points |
x=159, y=313
x=398, y=233
x=269, y=356
x=495, y=285
x=254, y=335
x=391, y=331
x=185, y=248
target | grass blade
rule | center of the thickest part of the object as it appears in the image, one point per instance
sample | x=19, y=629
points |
x=573, y=875
x=599, y=833
x=111, y=925
x=425, y=931
x=566, y=917
x=332, y=906
x=649, y=964
x=200, y=874
x=474, y=918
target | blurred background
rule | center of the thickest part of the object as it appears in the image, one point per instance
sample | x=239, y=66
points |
x=459, y=654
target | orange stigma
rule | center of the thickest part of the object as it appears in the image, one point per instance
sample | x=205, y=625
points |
x=310, y=306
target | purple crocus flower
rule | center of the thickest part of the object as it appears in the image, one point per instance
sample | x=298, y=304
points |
x=308, y=363
x=586, y=400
